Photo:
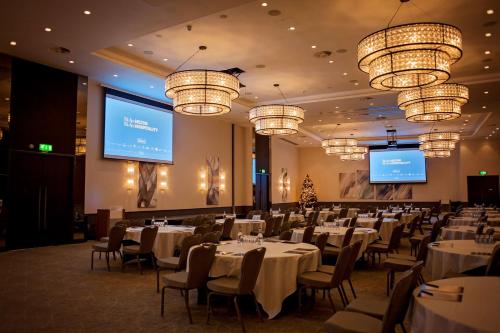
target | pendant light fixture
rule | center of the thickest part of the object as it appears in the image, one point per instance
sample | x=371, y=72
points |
x=276, y=119
x=201, y=92
x=409, y=55
x=436, y=103
x=357, y=154
x=338, y=146
x=438, y=144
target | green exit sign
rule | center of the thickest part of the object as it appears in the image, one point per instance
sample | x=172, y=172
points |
x=482, y=173
x=45, y=147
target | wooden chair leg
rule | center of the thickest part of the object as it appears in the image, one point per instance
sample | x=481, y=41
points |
x=331, y=301
x=157, y=280
x=402, y=327
x=107, y=261
x=162, y=308
x=114, y=256
x=240, y=318
x=92, y=260
x=342, y=289
x=352, y=288
x=300, y=297
x=139, y=263
x=186, y=301
x=339, y=289
x=209, y=308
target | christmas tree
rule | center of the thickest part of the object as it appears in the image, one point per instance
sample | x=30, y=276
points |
x=307, y=195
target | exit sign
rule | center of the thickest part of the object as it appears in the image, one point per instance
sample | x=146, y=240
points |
x=482, y=173
x=45, y=147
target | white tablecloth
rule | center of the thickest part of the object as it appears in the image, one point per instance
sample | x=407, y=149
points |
x=455, y=256
x=166, y=239
x=336, y=237
x=461, y=232
x=386, y=228
x=477, y=312
x=278, y=275
x=296, y=218
x=245, y=226
x=456, y=221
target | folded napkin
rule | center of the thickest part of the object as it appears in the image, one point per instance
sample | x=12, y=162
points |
x=295, y=252
x=441, y=296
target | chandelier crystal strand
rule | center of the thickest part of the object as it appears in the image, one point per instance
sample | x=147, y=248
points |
x=276, y=119
x=438, y=144
x=436, y=103
x=410, y=55
x=202, y=92
x=357, y=154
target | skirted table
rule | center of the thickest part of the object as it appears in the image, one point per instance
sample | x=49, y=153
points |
x=167, y=238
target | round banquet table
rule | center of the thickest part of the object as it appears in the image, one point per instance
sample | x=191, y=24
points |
x=456, y=256
x=388, y=224
x=336, y=236
x=296, y=218
x=167, y=238
x=323, y=214
x=245, y=226
x=278, y=275
x=457, y=221
x=461, y=232
x=476, y=312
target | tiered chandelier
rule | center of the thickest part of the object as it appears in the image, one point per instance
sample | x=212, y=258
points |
x=436, y=103
x=276, y=119
x=410, y=55
x=438, y=144
x=339, y=146
x=201, y=92
x=357, y=154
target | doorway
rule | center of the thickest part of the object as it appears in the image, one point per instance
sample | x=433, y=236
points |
x=483, y=190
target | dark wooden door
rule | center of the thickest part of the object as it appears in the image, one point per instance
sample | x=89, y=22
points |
x=483, y=190
x=262, y=192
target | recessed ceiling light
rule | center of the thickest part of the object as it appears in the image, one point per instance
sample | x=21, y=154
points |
x=485, y=92
x=115, y=75
x=256, y=97
x=336, y=107
x=84, y=83
x=87, y=12
x=48, y=29
x=497, y=128
x=356, y=83
x=13, y=43
x=330, y=61
x=488, y=34
x=466, y=120
x=165, y=59
x=320, y=120
x=490, y=12
x=486, y=67
x=71, y=61
x=264, y=4
x=313, y=46
x=487, y=52
x=484, y=106
x=130, y=44
x=292, y=28
x=7, y=98
x=371, y=104
x=345, y=74
x=348, y=118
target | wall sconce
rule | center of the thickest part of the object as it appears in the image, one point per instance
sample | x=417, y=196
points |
x=163, y=179
x=203, y=180
x=130, y=175
x=284, y=185
x=222, y=182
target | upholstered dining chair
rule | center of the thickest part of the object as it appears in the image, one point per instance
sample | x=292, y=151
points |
x=331, y=250
x=200, y=260
x=386, y=247
x=346, y=223
x=211, y=237
x=216, y=227
x=277, y=221
x=176, y=263
x=202, y=229
x=286, y=235
x=394, y=312
x=321, y=241
x=308, y=234
x=323, y=281
x=343, y=213
x=113, y=245
x=352, y=222
x=235, y=287
x=493, y=267
x=148, y=235
x=226, y=230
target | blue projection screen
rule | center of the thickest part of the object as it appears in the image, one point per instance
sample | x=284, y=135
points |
x=136, y=131
x=397, y=166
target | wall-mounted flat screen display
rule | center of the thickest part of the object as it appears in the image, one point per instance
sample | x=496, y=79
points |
x=137, y=131
x=397, y=166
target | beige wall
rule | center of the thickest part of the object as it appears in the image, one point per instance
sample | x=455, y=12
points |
x=284, y=155
x=195, y=139
x=446, y=178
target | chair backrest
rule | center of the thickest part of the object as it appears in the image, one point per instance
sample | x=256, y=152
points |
x=186, y=245
x=200, y=262
x=228, y=226
x=116, y=235
x=216, y=227
x=343, y=261
x=315, y=217
x=285, y=226
x=308, y=234
x=398, y=216
x=352, y=222
x=436, y=227
x=348, y=236
x=422, y=250
x=446, y=220
x=343, y=213
x=277, y=221
x=250, y=268
x=211, y=237
x=321, y=240
x=330, y=218
x=355, y=248
x=493, y=267
x=346, y=222
x=378, y=224
x=286, y=235
x=201, y=229
x=399, y=301
x=379, y=214
x=395, y=239
x=148, y=236
x=268, y=232
x=286, y=217
x=413, y=225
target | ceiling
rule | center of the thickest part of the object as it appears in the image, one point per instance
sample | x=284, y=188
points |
x=133, y=45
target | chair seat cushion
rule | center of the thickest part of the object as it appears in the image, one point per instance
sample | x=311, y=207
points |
x=352, y=322
x=329, y=269
x=225, y=285
x=402, y=257
x=132, y=249
x=398, y=265
x=371, y=306
x=102, y=247
x=104, y=239
x=168, y=262
x=331, y=250
x=417, y=238
x=175, y=280
x=315, y=279
x=377, y=247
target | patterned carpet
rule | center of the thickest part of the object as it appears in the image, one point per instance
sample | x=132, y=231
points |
x=52, y=289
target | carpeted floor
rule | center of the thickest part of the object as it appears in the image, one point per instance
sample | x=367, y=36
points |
x=52, y=289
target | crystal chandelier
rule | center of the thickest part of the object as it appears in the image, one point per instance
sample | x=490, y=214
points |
x=358, y=154
x=276, y=119
x=339, y=146
x=80, y=146
x=409, y=55
x=436, y=103
x=201, y=92
x=438, y=144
